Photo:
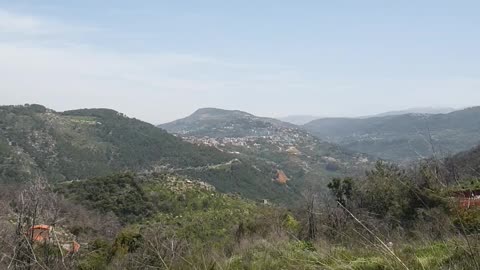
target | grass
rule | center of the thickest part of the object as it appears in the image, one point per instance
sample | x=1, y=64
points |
x=296, y=255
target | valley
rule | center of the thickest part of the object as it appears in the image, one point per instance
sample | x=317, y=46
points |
x=404, y=137
x=239, y=135
x=306, y=160
x=223, y=187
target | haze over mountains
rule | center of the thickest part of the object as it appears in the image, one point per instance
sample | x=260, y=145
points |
x=303, y=119
x=403, y=137
x=420, y=110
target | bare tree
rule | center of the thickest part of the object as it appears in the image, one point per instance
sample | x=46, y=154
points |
x=36, y=204
x=160, y=249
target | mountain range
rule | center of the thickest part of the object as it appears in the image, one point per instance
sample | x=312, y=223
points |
x=304, y=119
x=418, y=110
x=228, y=184
x=299, y=119
x=62, y=146
x=403, y=137
x=257, y=157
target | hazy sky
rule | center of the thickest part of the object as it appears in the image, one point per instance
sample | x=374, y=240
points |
x=160, y=60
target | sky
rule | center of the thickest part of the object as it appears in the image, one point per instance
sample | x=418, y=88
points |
x=159, y=60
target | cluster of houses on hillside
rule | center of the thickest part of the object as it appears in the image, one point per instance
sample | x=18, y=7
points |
x=284, y=139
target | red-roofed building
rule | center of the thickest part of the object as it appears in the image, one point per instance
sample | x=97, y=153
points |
x=468, y=198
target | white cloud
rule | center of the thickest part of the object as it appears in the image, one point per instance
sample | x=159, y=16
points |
x=17, y=25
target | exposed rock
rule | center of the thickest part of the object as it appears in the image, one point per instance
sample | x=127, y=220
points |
x=281, y=177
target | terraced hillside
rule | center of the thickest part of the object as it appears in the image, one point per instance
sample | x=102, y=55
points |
x=304, y=159
x=39, y=142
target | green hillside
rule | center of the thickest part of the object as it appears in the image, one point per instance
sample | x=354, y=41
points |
x=166, y=221
x=403, y=137
x=214, y=122
x=36, y=141
x=306, y=160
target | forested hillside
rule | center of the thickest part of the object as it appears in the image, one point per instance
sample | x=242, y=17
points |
x=195, y=205
x=213, y=122
x=403, y=137
x=59, y=146
x=303, y=160
x=85, y=143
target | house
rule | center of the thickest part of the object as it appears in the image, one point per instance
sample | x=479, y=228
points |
x=39, y=233
x=468, y=198
x=44, y=234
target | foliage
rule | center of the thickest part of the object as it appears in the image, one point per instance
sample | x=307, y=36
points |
x=342, y=189
x=388, y=192
x=468, y=220
x=127, y=241
x=80, y=144
x=291, y=224
x=295, y=255
x=88, y=143
x=193, y=209
x=270, y=145
x=96, y=258
x=190, y=225
x=392, y=217
x=119, y=194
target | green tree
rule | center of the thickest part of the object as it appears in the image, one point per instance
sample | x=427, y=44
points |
x=342, y=189
x=389, y=192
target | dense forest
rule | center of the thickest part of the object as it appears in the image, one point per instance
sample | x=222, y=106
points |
x=62, y=146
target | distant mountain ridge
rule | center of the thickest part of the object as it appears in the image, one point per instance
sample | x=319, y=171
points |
x=419, y=110
x=299, y=119
x=403, y=137
x=304, y=119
